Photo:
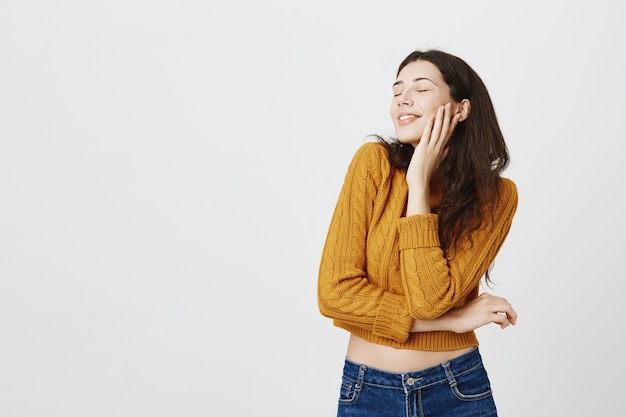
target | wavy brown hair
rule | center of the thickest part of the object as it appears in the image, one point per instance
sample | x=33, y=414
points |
x=470, y=173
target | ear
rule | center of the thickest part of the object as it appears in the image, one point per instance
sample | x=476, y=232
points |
x=464, y=109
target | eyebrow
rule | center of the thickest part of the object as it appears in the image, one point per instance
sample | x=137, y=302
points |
x=415, y=80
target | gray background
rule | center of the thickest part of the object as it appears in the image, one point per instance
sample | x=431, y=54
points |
x=168, y=170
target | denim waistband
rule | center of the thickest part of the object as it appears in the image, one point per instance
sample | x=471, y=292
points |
x=414, y=379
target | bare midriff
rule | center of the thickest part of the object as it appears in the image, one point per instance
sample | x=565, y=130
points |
x=396, y=360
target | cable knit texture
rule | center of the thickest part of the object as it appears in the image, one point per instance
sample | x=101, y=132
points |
x=380, y=270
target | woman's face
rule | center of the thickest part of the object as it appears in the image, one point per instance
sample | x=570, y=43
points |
x=418, y=92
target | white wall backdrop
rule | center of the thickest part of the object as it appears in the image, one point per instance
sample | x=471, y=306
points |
x=168, y=170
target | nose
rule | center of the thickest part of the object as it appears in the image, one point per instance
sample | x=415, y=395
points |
x=404, y=99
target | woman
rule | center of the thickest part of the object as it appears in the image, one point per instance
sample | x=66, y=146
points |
x=419, y=220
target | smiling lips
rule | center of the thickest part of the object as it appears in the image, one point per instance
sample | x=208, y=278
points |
x=407, y=118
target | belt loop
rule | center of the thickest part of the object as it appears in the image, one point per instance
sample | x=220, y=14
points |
x=451, y=380
x=361, y=378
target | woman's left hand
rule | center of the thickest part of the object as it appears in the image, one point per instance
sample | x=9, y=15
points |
x=484, y=309
x=431, y=149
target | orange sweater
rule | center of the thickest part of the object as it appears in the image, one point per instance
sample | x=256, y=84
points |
x=380, y=270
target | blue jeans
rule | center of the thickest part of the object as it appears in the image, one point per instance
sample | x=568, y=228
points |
x=457, y=388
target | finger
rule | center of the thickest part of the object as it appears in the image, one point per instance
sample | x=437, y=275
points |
x=454, y=121
x=435, y=135
x=512, y=315
x=445, y=126
x=450, y=123
x=501, y=319
x=497, y=305
x=508, y=311
x=504, y=307
x=425, y=139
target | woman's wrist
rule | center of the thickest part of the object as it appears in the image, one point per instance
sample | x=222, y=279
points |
x=439, y=324
x=418, y=198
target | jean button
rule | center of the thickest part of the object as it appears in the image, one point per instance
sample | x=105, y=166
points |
x=410, y=381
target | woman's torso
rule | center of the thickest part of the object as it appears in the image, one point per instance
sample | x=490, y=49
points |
x=396, y=360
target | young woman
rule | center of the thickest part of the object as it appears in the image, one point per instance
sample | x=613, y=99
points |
x=419, y=220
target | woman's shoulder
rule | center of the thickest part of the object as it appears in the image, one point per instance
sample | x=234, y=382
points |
x=371, y=160
x=508, y=186
x=372, y=153
x=508, y=192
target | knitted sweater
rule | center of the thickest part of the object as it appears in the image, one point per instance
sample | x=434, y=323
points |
x=380, y=270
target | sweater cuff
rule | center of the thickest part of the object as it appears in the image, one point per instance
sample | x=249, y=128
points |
x=393, y=320
x=419, y=231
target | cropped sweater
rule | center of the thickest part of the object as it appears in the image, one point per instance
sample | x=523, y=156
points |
x=380, y=270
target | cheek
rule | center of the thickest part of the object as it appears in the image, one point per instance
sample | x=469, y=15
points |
x=433, y=106
x=393, y=108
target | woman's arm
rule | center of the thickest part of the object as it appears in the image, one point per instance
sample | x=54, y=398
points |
x=432, y=283
x=344, y=291
x=482, y=310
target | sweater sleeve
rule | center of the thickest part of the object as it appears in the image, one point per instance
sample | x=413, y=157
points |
x=433, y=284
x=344, y=292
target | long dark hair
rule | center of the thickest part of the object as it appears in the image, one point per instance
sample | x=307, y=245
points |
x=477, y=153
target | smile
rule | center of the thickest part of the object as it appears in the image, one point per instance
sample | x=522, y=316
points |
x=405, y=119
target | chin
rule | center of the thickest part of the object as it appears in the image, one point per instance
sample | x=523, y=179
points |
x=408, y=140
x=408, y=135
